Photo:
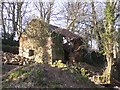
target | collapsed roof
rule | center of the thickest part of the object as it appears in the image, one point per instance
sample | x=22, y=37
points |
x=64, y=32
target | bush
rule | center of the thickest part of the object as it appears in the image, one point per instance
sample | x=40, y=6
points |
x=16, y=74
x=10, y=42
x=11, y=49
x=58, y=64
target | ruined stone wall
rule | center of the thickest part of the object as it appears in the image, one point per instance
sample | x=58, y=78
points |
x=24, y=46
x=37, y=40
x=47, y=46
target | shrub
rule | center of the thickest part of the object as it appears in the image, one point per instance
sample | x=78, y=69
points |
x=16, y=74
x=58, y=64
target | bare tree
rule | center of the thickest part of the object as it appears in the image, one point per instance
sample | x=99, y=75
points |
x=73, y=12
x=12, y=17
x=97, y=28
x=45, y=9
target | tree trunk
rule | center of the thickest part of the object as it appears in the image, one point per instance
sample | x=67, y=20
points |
x=107, y=72
x=3, y=24
x=96, y=30
x=19, y=19
x=109, y=39
x=13, y=23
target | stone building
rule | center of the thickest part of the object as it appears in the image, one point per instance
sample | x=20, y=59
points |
x=44, y=42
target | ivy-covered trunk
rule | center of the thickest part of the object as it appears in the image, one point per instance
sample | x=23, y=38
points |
x=108, y=38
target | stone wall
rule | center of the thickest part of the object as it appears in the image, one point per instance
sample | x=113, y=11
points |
x=41, y=53
x=35, y=42
x=38, y=38
x=25, y=46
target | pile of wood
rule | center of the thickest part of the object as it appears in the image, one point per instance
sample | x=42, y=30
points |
x=14, y=59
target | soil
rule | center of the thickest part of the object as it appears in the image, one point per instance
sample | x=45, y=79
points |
x=6, y=68
x=51, y=78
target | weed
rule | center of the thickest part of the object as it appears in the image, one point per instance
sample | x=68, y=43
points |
x=58, y=64
x=84, y=72
x=16, y=74
x=80, y=77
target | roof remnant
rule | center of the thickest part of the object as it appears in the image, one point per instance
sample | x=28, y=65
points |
x=64, y=32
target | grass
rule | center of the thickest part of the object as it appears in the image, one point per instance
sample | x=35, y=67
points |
x=19, y=74
x=16, y=74
x=39, y=77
